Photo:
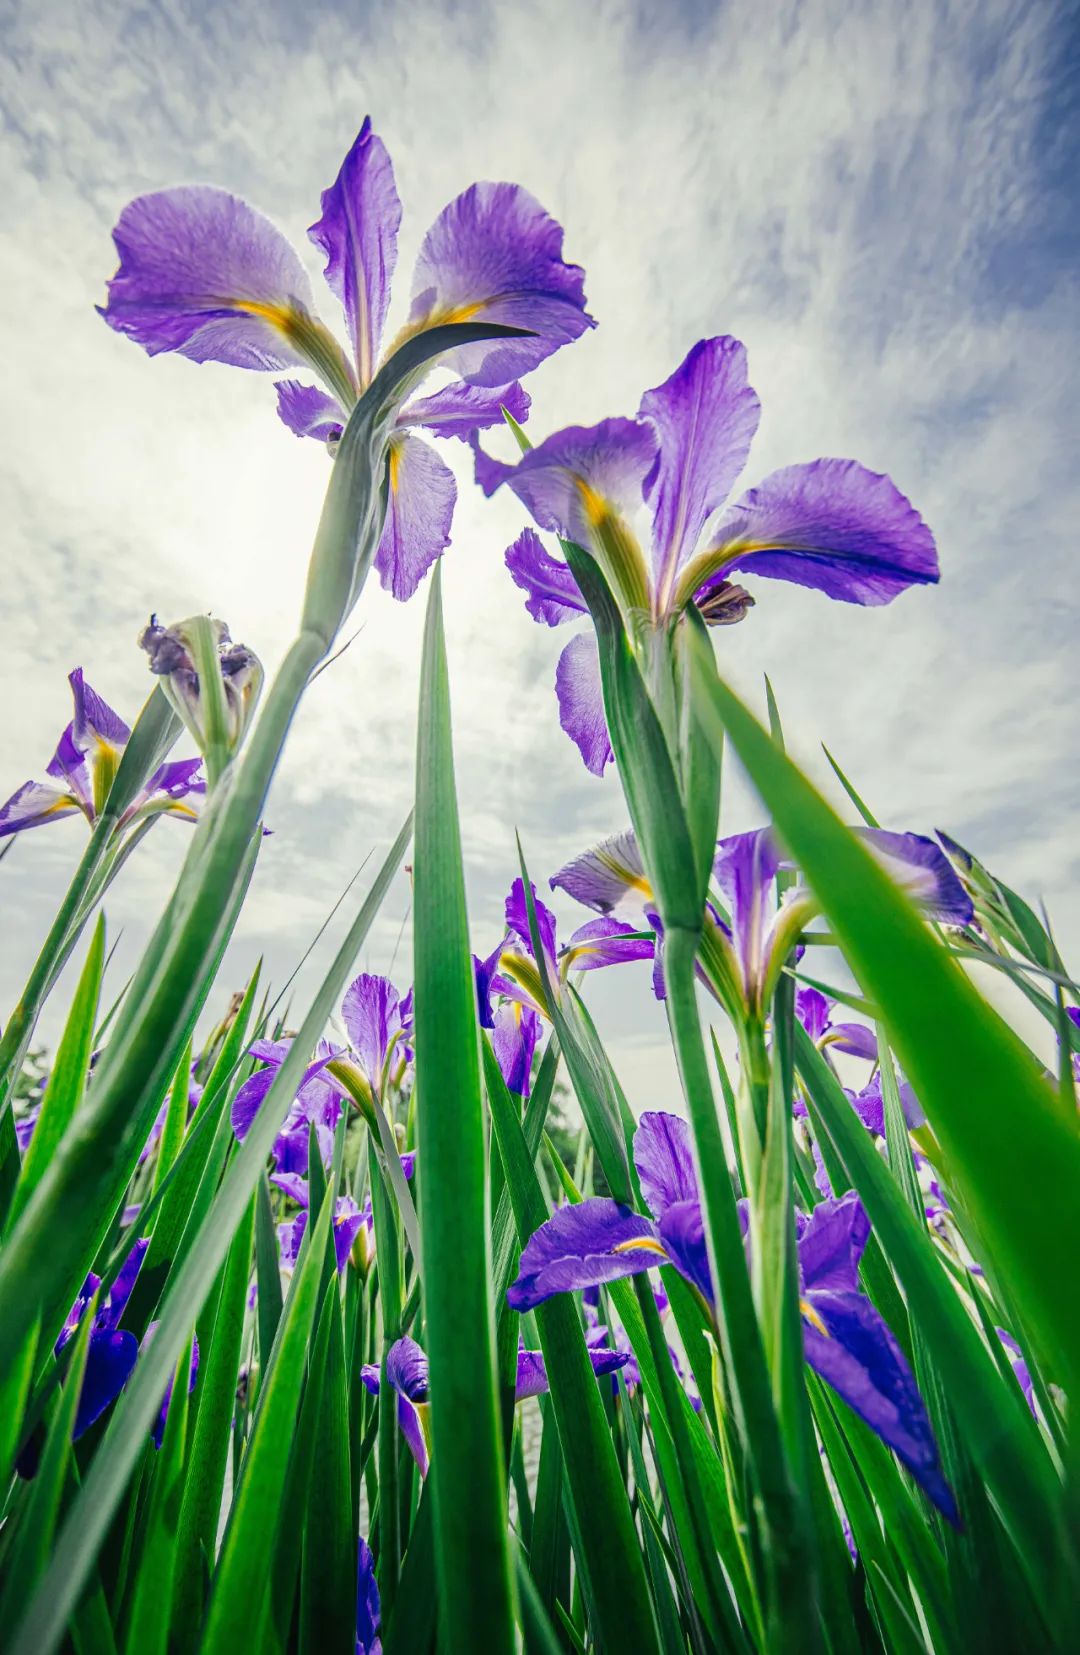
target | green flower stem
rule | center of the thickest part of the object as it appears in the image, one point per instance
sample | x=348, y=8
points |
x=216, y=747
x=791, y=1610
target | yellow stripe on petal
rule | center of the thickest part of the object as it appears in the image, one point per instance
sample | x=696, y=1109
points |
x=813, y=1318
x=397, y=446
x=640, y=1243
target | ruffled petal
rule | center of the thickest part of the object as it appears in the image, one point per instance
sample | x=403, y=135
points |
x=553, y=595
x=833, y=526
x=307, y=411
x=581, y=1246
x=460, y=409
x=576, y=476
x=494, y=255
x=705, y=416
x=204, y=274
x=419, y=511
x=664, y=1158
x=581, y=702
x=361, y=213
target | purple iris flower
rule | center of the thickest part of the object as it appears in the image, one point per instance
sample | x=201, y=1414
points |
x=348, y=1221
x=815, y=1012
x=317, y=1103
x=1019, y=1368
x=379, y=1025
x=407, y=1373
x=844, y=1338
x=82, y=769
x=202, y=273
x=368, y=1607
x=158, y=1432
x=746, y=951
x=512, y=972
x=831, y=525
x=112, y=1351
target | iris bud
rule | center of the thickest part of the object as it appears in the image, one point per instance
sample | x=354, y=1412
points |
x=216, y=711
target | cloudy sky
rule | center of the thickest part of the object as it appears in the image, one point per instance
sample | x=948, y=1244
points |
x=878, y=199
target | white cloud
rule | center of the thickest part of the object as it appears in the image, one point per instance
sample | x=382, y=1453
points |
x=852, y=190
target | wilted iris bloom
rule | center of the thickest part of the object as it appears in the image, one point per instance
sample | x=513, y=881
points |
x=204, y=274
x=82, y=769
x=407, y=1374
x=844, y=1338
x=831, y=525
x=172, y=660
x=512, y=971
x=745, y=948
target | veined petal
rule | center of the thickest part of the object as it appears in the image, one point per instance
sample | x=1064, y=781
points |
x=307, y=411
x=371, y=1012
x=924, y=872
x=419, y=511
x=494, y=255
x=201, y=272
x=745, y=869
x=94, y=725
x=858, y=1356
x=580, y=694
x=605, y=941
x=407, y=1370
x=516, y=914
x=834, y=526
x=361, y=213
x=553, y=595
x=35, y=803
x=664, y=1158
x=831, y=1244
x=705, y=416
x=461, y=409
x=595, y=1241
x=609, y=875
x=575, y=478
x=813, y=1009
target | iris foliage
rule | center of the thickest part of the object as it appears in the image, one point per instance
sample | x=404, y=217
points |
x=314, y=1338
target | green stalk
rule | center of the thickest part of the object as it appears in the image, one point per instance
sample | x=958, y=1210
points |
x=791, y=1610
x=473, y=1563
